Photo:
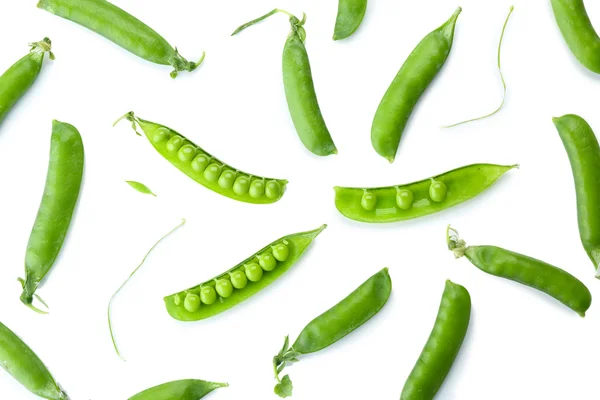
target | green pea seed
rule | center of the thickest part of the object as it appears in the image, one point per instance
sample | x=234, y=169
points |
x=273, y=189
x=238, y=279
x=162, y=134
x=186, y=153
x=191, y=302
x=267, y=261
x=177, y=299
x=224, y=288
x=254, y=272
x=241, y=185
x=174, y=144
x=212, y=172
x=227, y=179
x=281, y=251
x=257, y=188
x=437, y=191
x=404, y=199
x=368, y=201
x=208, y=295
x=200, y=162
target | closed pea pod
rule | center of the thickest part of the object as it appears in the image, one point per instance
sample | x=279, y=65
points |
x=63, y=182
x=525, y=270
x=26, y=367
x=206, y=169
x=246, y=278
x=185, y=389
x=417, y=199
x=299, y=88
x=17, y=80
x=349, y=17
x=443, y=345
x=121, y=28
x=415, y=75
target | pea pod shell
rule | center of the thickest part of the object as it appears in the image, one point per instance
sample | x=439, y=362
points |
x=349, y=17
x=443, y=345
x=186, y=389
x=346, y=316
x=297, y=244
x=26, y=367
x=462, y=184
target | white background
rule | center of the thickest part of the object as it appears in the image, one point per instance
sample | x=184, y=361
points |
x=521, y=344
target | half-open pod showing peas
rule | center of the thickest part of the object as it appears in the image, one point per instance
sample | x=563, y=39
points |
x=242, y=281
x=185, y=389
x=205, y=168
x=417, y=199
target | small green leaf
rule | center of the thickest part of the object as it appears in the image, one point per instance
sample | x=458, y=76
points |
x=284, y=388
x=140, y=187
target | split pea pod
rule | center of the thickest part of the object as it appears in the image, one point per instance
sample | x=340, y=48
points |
x=206, y=169
x=300, y=89
x=415, y=75
x=349, y=17
x=584, y=155
x=26, y=367
x=443, y=345
x=579, y=33
x=417, y=199
x=525, y=270
x=242, y=281
x=17, y=80
x=121, y=28
x=63, y=181
x=334, y=324
x=186, y=389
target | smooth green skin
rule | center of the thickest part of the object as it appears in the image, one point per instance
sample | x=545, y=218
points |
x=121, y=28
x=346, y=316
x=536, y=274
x=442, y=347
x=17, y=80
x=140, y=187
x=578, y=31
x=186, y=389
x=349, y=17
x=584, y=154
x=463, y=184
x=417, y=72
x=204, y=178
x=63, y=182
x=26, y=367
x=297, y=244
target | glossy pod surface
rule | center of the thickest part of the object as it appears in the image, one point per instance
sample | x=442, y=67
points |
x=26, y=367
x=186, y=389
x=417, y=199
x=584, y=154
x=443, y=345
x=63, y=183
x=578, y=31
x=207, y=170
x=349, y=17
x=245, y=279
x=415, y=75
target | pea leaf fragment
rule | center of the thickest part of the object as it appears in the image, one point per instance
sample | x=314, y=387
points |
x=284, y=388
x=140, y=187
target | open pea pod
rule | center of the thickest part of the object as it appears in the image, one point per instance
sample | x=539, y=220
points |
x=417, y=199
x=185, y=389
x=242, y=281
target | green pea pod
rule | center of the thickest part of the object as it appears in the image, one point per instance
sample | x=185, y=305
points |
x=121, y=28
x=206, y=169
x=17, y=80
x=417, y=72
x=26, y=367
x=242, y=281
x=186, y=389
x=578, y=31
x=584, y=154
x=334, y=324
x=417, y=199
x=349, y=17
x=140, y=187
x=299, y=88
x=525, y=270
x=443, y=345
x=63, y=181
